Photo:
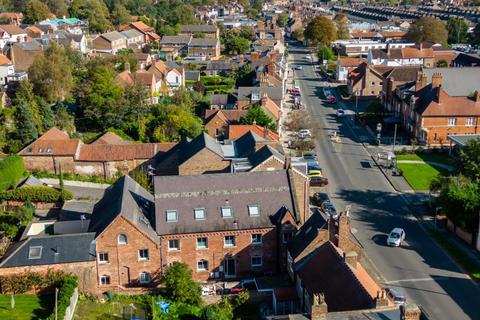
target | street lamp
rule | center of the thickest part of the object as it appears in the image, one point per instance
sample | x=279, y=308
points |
x=435, y=218
x=357, y=93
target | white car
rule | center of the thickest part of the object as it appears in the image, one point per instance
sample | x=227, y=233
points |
x=298, y=68
x=340, y=113
x=304, y=133
x=396, y=237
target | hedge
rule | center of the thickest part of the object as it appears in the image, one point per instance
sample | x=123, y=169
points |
x=67, y=288
x=36, y=194
x=12, y=170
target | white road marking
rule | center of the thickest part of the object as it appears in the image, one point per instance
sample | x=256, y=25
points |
x=417, y=280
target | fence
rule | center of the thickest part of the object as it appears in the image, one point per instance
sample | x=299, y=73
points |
x=462, y=234
x=71, y=308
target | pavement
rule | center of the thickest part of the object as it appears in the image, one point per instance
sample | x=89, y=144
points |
x=420, y=268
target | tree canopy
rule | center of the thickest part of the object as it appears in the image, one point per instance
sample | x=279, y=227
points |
x=255, y=114
x=428, y=29
x=341, y=20
x=457, y=30
x=95, y=11
x=36, y=11
x=320, y=30
x=179, y=285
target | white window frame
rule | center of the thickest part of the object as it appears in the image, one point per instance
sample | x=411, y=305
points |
x=225, y=244
x=121, y=242
x=257, y=264
x=452, y=122
x=107, y=280
x=103, y=261
x=168, y=212
x=253, y=206
x=202, y=261
x=226, y=210
x=174, y=249
x=144, y=277
x=255, y=236
x=198, y=210
x=35, y=257
x=469, y=121
x=206, y=243
x=140, y=258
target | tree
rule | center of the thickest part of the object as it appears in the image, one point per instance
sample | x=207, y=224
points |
x=64, y=120
x=257, y=4
x=237, y=45
x=220, y=311
x=320, y=30
x=457, y=30
x=36, y=11
x=342, y=22
x=172, y=122
x=57, y=7
x=469, y=160
x=252, y=13
x=428, y=29
x=25, y=94
x=51, y=73
x=26, y=131
x=299, y=34
x=179, y=285
x=325, y=53
x=46, y=114
x=476, y=35
x=282, y=20
x=120, y=15
x=247, y=32
x=243, y=76
x=95, y=11
x=257, y=115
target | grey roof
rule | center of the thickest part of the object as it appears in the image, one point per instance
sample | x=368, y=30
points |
x=132, y=33
x=31, y=181
x=274, y=93
x=112, y=36
x=32, y=45
x=270, y=190
x=222, y=99
x=65, y=248
x=306, y=234
x=200, y=142
x=457, y=81
x=128, y=199
x=198, y=28
x=192, y=75
x=198, y=42
x=461, y=140
x=263, y=154
x=245, y=145
x=175, y=40
x=221, y=65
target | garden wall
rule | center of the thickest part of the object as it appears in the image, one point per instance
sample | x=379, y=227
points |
x=70, y=311
x=462, y=234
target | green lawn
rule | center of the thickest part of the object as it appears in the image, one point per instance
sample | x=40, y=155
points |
x=420, y=175
x=27, y=307
x=110, y=310
x=425, y=156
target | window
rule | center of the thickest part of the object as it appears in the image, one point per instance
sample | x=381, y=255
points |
x=287, y=236
x=103, y=257
x=35, y=252
x=229, y=241
x=253, y=210
x=469, y=122
x=257, y=261
x=227, y=212
x=202, y=243
x=122, y=239
x=202, y=265
x=174, y=244
x=49, y=150
x=452, y=121
x=104, y=280
x=40, y=150
x=143, y=254
x=171, y=215
x=144, y=277
x=256, y=238
x=199, y=214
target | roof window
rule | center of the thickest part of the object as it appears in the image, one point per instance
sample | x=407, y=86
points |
x=35, y=252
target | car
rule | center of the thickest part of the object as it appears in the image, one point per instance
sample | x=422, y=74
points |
x=304, y=133
x=318, y=181
x=298, y=68
x=315, y=173
x=340, y=113
x=328, y=208
x=319, y=198
x=396, y=295
x=310, y=155
x=396, y=237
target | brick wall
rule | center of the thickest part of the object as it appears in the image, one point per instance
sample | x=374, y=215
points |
x=205, y=161
x=49, y=163
x=216, y=252
x=124, y=265
x=301, y=193
x=270, y=164
x=216, y=123
x=438, y=128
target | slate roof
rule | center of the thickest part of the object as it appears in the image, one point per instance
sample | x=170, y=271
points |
x=403, y=73
x=112, y=36
x=175, y=40
x=274, y=93
x=269, y=190
x=306, y=234
x=245, y=145
x=128, y=199
x=219, y=65
x=132, y=33
x=465, y=59
x=222, y=99
x=198, y=28
x=200, y=142
x=263, y=154
x=199, y=42
x=192, y=75
x=457, y=81
x=56, y=249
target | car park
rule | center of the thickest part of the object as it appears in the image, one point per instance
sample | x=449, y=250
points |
x=319, y=198
x=396, y=295
x=340, y=113
x=396, y=237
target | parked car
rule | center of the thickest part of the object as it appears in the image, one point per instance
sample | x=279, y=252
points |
x=396, y=237
x=315, y=173
x=340, y=113
x=396, y=295
x=304, y=133
x=319, y=198
x=298, y=68
x=318, y=181
x=310, y=155
x=329, y=209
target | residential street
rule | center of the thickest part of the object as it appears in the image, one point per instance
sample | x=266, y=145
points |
x=426, y=274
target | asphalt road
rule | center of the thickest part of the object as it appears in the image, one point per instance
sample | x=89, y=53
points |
x=420, y=268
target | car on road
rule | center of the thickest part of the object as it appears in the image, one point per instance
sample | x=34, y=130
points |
x=396, y=237
x=396, y=295
x=328, y=208
x=304, y=133
x=318, y=181
x=298, y=68
x=319, y=198
x=315, y=173
x=310, y=155
x=340, y=113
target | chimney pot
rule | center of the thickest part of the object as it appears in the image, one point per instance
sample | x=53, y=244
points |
x=436, y=80
x=410, y=312
x=319, y=307
x=476, y=96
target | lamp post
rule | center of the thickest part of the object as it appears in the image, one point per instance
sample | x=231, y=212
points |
x=394, y=138
x=357, y=93
x=435, y=218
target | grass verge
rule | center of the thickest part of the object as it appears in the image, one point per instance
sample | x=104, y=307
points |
x=26, y=307
x=472, y=268
x=419, y=175
x=433, y=157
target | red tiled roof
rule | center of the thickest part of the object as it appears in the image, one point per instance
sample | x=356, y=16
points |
x=451, y=106
x=124, y=78
x=4, y=60
x=230, y=116
x=120, y=152
x=109, y=138
x=54, y=134
x=236, y=131
x=141, y=26
x=397, y=34
x=12, y=29
x=363, y=34
x=350, y=62
x=51, y=148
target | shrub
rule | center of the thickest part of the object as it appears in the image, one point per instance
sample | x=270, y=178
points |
x=419, y=150
x=12, y=169
x=67, y=287
x=36, y=194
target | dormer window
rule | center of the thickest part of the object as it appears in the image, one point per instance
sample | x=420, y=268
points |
x=35, y=252
x=227, y=212
x=253, y=210
x=49, y=150
x=255, y=96
x=40, y=150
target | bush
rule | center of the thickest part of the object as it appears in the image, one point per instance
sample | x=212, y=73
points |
x=419, y=150
x=76, y=177
x=12, y=170
x=67, y=288
x=36, y=194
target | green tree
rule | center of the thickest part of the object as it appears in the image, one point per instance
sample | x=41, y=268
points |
x=58, y=7
x=257, y=115
x=26, y=131
x=237, y=45
x=51, y=74
x=46, y=114
x=243, y=76
x=172, y=122
x=282, y=20
x=179, y=285
x=341, y=20
x=36, y=11
x=428, y=29
x=26, y=95
x=64, y=120
x=120, y=15
x=95, y=11
x=299, y=34
x=457, y=30
x=252, y=13
x=475, y=37
x=257, y=4
x=247, y=32
x=320, y=30
x=325, y=52
x=469, y=160
x=220, y=311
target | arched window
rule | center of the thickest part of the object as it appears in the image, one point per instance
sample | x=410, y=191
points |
x=144, y=277
x=122, y=239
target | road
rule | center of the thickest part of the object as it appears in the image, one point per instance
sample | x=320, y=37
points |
x=424, y=272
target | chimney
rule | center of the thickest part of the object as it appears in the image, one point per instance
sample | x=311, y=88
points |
x=420, y=46
x=265, y=133
x=410, y=312
x=351, y=258
x=255, y=55
x=343, y=231
x=288, y=162
x=421, y=81
x=436, y=80
x=476, y=96
x=127, y=66
x=264, y=99
x=271, y=69
x=319, y=307
x=381, y=300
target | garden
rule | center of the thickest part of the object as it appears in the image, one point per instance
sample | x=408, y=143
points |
x=27, y=306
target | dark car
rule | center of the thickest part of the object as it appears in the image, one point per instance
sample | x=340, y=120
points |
x=328, y=208
x=318, y=181
x=319, y=198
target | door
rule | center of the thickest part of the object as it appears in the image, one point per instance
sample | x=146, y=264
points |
x=229, y=265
